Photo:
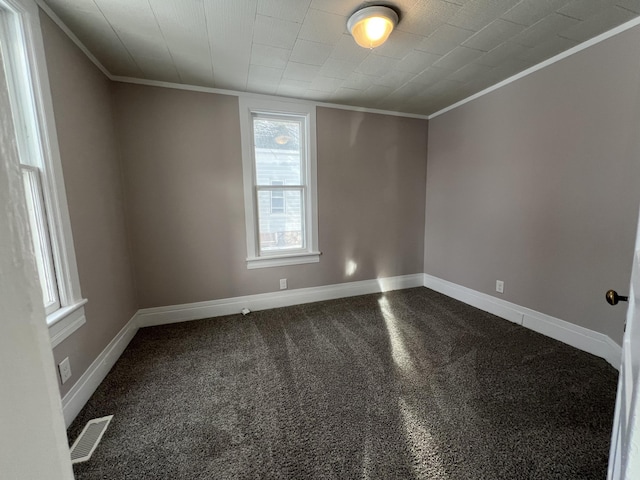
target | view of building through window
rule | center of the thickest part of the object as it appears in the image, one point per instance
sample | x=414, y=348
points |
x=280, y=182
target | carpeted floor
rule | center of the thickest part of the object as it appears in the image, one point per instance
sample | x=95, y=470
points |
x=402, y=385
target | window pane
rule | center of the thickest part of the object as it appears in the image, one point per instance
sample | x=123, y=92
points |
x=283, y=230
x=40, y=238
x=277, y=151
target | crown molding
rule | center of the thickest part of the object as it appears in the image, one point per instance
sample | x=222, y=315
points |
x=58, y=21
x=262, y=96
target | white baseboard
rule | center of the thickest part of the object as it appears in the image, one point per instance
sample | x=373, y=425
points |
x=579, y=337
x=194, y=311
x=508, y=311
x=80, y=393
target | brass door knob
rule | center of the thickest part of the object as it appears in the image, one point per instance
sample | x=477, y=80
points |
x=613, y=298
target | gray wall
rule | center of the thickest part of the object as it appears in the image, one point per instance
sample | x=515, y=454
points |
x=183, y=171
x=537, y=183
x=93, y=179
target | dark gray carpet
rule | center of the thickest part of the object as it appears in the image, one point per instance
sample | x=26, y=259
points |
x=402, y=385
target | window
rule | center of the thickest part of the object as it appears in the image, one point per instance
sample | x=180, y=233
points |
x=277, y=198
x=279, y=164
x=27, y=85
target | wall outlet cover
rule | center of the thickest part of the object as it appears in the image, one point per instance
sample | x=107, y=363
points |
x=65, y=370
x=499, y=286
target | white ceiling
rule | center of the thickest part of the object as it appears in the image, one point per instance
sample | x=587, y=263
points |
x=441, y=52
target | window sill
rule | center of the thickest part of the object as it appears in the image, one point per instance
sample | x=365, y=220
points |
x=64, y=321
x=283, y=260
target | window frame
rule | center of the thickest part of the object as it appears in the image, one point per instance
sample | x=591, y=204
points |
x=250, y=106
x=32, y=109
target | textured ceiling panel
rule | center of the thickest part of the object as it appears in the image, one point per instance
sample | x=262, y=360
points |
x=425, y=16
x=444, y=39
x=311, y=53
x=601, y=22
x=264, y=79
x=441, y=52
x=184, y=30
x=275, y=32
x=336, y=68
x=547, y=28
x=476, y=14
x=301, y=71
x=325, y=84
x=583, y=9
x=347, y=50
x=458, y=58
x=267, y=56
x=416, y=62
x=528, y=12
x=292, y=88
x=339, y=7
x=502, y=53
x=632, y=5
x=322, y=27
x=470, y=72
x=294, y=10
x=230, y=28
x=403, y=44
x=377, y=65
x=497, y=32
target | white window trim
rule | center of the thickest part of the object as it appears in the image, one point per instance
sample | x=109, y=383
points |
x=64, y=321
x=248, y=106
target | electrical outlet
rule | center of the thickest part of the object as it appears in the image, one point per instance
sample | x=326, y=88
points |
x=283, y=284
x=65, y=370
x=499, y=286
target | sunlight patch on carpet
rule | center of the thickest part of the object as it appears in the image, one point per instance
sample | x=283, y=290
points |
x=423, y=447
x=401, y=355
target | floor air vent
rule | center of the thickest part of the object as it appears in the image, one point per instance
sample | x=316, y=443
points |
x=89, y=439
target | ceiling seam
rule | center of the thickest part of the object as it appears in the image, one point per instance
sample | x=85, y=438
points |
x=173, y=61
x=206, y=27
x=253, y=33
x=294, y=44
x=124, y=45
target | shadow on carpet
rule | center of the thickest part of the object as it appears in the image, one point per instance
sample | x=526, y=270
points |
x=408, y=384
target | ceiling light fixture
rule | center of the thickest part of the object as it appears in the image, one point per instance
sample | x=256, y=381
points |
x=371, y=26
x=282, y=139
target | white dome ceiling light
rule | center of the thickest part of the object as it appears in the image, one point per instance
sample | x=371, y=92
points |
x=371, y=26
